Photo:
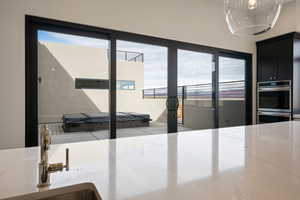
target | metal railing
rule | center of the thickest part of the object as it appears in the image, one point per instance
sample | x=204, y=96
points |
x=230, y=89
x=128, y=56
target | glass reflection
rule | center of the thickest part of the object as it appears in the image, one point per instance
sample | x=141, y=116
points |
x=173, y=162
x=231, y=148
x=200, y=164
x=194, y=160
x=133, y=159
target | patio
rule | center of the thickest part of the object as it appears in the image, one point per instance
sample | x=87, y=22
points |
x=60, y=137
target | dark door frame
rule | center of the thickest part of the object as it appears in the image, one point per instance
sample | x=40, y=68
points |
x=248, y=83
x=33, y=23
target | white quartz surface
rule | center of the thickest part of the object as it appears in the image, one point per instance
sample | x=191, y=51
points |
x=260, y=162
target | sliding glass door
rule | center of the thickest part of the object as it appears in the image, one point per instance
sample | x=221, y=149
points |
x=232, y=91
x=211, y=94
x=195, y=91
x=73, y=86
x=73, y=89
x=142, y=89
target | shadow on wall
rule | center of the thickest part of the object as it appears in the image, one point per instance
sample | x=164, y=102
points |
x=57, y=94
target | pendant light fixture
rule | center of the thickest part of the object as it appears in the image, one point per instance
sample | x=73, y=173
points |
x=251, y=17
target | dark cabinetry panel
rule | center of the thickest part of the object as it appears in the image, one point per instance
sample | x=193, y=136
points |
x=266, y=62
x=284, y=55
x=275, y=60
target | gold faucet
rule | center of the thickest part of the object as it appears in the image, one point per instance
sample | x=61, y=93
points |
x=45, y=169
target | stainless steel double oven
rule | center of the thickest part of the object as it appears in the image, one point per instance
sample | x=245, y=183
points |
x=274, y=101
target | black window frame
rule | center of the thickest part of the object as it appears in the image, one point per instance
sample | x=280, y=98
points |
x=34, y=23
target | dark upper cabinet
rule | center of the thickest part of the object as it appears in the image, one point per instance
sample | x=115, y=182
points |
x=275, y=60
x=284, y=49
x=266, y=62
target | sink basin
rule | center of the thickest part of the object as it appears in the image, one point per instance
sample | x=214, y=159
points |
x=84, y=191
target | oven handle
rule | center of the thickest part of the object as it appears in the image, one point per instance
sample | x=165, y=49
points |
x=274, y=89
x=274, y=110
x=277, y=114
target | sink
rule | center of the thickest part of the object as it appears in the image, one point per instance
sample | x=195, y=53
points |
x=84, y=191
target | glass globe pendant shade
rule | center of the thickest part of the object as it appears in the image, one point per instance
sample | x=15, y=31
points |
x=251, y=17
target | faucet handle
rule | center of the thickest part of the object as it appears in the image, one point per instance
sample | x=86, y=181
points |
x=55, y=167
x=60, y=166
x=67, y=166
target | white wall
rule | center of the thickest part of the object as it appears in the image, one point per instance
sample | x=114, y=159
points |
x=196, y=21
x=297, y=15
x=287, y=21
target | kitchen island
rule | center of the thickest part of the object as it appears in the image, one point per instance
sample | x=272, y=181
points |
x=259, y=162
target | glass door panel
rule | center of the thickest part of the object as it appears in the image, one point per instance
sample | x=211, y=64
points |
x=142, y=89
x=195, y=110
x=232, y=108
x=73, y=96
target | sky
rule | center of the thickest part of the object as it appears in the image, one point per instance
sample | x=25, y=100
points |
x=193, y=67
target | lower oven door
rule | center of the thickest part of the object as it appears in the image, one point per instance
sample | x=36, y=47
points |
x=272, y=117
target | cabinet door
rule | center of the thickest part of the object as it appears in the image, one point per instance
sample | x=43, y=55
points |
x=284, y=53
x=266, y=62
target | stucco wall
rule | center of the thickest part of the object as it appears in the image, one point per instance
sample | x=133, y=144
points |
x=196, y=21
x=58, y=66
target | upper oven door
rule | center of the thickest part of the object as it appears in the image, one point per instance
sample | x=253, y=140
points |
x=276, y=98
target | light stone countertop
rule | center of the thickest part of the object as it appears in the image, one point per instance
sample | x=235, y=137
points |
x=260, y=162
